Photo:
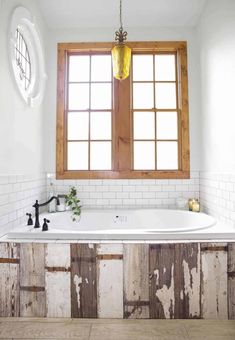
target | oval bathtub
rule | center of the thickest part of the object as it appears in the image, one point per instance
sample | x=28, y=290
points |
x=141, y=224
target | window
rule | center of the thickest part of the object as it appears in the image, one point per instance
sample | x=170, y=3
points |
x=89, y=112
x=27, y=57
x=135, y=128
x=22, y=60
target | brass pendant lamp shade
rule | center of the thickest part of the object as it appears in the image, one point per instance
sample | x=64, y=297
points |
x=121, y=54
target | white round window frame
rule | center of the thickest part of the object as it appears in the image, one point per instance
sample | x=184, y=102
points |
x=22, y=20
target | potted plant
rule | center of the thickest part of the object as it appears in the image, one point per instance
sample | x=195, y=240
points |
x=72, y=202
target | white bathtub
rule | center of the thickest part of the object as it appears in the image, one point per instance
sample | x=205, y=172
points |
x=141, y=224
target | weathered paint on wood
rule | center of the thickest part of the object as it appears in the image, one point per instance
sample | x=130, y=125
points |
x=32, y=280
x=57, y=271
x=63, y=280
x=231, y=281
x=109, y=248
x=214, y=281
x=110, y=281
x=9, y=279
x=136, y=281
x=187, y=281
x=162, y=285
x=83, y=281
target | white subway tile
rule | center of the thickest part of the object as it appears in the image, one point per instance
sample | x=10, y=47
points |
x=122, y=194
x=149, y=194
x=135, y=194
x=109, y=195
x=129, y=188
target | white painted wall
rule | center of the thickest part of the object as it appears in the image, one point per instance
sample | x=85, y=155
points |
x=21, y=129
x=217, y=53
x=134, y=34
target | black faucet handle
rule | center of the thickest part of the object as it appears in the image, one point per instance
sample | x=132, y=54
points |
x=45, y=225
x=30, y=220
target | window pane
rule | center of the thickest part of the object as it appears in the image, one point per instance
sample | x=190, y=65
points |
x=78, y=156
x=165, y=67
x=144, y=125
x=101, y=68
x=167, y=125
x=143, y=96
x=167, y=155
x=100, y=125
x=144, y=156
x=165, y=96
x=142, y=66
x=101, y=96
x=79, y=68
x=78, y=124
x=78, y=97
x=100, y=156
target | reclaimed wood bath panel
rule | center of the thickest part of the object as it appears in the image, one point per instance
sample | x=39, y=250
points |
x=162, y=285
x=83, y=281
x=136, y=281
x=231, y=281
x=182, y=280
x=187, y=281
x=214, y=281
x=9, y=279
x=32, y=280
x=110, y=280
x=175, y=281
x=57, y=276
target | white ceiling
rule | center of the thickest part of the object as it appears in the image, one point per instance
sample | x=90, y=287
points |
x=105, y=13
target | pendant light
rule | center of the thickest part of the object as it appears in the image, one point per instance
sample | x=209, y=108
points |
x=121, y=54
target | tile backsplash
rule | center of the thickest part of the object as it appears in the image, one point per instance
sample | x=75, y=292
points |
x=217, y=195
x=17, y=195
x=109, y=193
x=215, y=190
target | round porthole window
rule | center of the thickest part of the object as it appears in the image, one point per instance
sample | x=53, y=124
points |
x=27, y=57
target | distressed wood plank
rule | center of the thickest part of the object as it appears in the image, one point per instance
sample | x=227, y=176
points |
x=109, y=248
x=83, y=281
x=32, y=275
x=231, y=281
x=161, y=268
x=9, y=280
x=187, y=281
x=58, y=280
x=136, y=281
x=110, y=281
x=214, y=282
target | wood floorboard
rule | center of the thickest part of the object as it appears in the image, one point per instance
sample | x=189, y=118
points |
x=115, y=329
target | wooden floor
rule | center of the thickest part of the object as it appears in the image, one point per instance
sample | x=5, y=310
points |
x=107, y=329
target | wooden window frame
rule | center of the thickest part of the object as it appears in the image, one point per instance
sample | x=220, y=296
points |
x=122, y=117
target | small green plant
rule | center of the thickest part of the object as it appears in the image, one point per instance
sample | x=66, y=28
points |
x=73, y=202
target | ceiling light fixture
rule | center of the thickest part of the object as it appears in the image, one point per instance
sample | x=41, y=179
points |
x=121, y=54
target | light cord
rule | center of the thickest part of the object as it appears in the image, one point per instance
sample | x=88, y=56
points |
x=120, y=14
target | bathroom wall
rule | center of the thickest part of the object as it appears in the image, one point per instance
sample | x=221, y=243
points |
x=217, y=58
x=22, y=170
x=130, y=193
x=17, y=195
x=126, y=193
x=21, y=130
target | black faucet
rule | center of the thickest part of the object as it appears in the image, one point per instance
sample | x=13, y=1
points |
x=37, y=206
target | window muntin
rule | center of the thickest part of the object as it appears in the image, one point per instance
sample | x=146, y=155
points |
x=154, y=108
x=26, y=56
x=175, y=140
x=22, y=59
x=89, y=112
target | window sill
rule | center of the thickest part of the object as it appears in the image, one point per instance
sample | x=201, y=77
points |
x=110, y=174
